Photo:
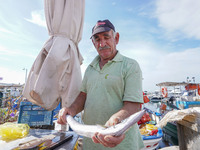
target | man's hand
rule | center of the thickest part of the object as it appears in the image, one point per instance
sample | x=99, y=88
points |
x=62, y=115
x=128, y=109
x=108, y=140
x=114, y=119
x=76, y=107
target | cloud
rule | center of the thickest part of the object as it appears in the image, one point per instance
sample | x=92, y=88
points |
x=37, y=18
x=159, y=65
x=6, y=52
x=5, y=31
x=12, y=76
x=179, y=17
x=14, y=52
x=175, y=67
x=179, y=65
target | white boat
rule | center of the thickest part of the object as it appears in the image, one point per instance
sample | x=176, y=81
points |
x=176, y=95
x=182, y=94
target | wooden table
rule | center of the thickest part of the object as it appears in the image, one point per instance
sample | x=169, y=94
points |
x=39, y=133
x=189, y=133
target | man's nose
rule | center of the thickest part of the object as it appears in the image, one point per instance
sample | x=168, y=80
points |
x=102, y=43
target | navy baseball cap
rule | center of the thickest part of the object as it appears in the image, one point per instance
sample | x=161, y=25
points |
x=102, y=26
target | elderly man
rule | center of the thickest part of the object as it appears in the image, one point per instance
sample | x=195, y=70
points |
x=111, y=91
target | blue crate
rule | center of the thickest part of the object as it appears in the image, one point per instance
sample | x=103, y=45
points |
x=157, y=136
x=56, y=111
x=34, y=115
x=188, y=104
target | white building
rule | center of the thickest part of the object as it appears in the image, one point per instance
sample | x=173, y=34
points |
x=10, y=89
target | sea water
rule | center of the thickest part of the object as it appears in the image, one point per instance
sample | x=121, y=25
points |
x=155, y=107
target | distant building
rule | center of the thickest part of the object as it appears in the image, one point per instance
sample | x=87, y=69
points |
x=7, y=89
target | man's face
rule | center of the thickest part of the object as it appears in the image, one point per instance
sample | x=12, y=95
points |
x=105, y=44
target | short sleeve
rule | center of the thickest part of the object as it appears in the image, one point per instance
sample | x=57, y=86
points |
x=133, y=83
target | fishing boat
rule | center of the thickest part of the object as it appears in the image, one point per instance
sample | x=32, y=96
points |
x=175, y=96
x=152, y=135
x=157, y=111
x=156, y=99
x=181, y=94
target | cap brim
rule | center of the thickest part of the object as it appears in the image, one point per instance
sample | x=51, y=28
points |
x=100, y=29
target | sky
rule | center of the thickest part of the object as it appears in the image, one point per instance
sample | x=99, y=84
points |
x=163, y=36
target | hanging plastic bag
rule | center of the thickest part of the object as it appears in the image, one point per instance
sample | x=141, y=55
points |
x=13, y=131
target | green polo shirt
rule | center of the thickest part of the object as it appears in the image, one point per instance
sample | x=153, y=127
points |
x=119, y=80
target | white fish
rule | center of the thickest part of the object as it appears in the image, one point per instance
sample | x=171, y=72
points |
x=115, y=130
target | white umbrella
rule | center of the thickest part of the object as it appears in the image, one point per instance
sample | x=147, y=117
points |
x=56, y=75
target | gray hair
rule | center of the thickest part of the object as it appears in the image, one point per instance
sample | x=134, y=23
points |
x=114, y=33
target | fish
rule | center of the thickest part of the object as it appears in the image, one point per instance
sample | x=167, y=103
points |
x=36, y=143
x=115, y=130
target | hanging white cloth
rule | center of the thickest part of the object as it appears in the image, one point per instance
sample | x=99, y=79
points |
x=56, y=75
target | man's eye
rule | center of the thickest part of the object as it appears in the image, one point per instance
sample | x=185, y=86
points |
x=107, y=37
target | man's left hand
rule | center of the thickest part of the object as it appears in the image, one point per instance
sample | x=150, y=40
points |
x=108, y=140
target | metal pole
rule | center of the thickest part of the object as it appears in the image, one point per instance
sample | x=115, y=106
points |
x=26, y=76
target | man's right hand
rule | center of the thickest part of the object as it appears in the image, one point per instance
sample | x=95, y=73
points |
x=76, y=107
x=62, y=115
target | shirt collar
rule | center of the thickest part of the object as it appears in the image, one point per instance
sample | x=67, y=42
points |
x=95, y=62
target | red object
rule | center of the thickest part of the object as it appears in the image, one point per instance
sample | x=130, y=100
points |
x=199, y=91
x=148, y=146
x=145, y=118
x=163, y=106
x=154, y=132
x=164, y=92
x=145, y=98
x=191, y=86
x=139, y=122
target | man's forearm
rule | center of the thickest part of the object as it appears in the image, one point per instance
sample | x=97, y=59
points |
x=128, y=109
x=78, y=104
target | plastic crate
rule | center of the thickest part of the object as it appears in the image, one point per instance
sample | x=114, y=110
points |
x=56, y=111
x=152, y=142
x=187, y=104
x=34, y=115
x=170, y=133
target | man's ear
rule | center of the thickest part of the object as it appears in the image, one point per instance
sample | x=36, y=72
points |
x=117, y=38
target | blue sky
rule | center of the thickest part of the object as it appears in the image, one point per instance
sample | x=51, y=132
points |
x=162, y=35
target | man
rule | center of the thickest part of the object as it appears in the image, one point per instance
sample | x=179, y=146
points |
x=111, y=91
